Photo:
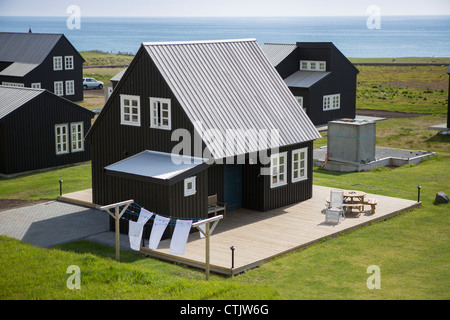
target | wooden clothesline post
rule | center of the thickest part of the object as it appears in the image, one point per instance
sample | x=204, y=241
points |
x=207, y=233
x=117, y=215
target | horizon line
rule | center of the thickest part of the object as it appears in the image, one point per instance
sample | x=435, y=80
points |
x=214, y=16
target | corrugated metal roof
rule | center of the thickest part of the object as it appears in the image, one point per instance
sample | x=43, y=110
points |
x=12, y=98
x=26, y=47
x=25, y=50
x=156, y=165
x=18, y=69
x=229, y=85
x=118, y=76
x=277, y=52
x=305, y=79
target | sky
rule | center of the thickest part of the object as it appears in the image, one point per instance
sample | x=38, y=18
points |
x=224, y=8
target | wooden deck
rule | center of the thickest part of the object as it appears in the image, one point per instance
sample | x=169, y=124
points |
x=261, y=236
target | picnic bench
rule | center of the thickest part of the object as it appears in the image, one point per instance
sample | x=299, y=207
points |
x=360, y=205
x=215, y=206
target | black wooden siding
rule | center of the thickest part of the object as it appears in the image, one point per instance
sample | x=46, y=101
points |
x=143, y=79
x=256, y=192
x=160, y=199
x=28, y=134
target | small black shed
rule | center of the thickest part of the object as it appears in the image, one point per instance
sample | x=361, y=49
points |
x=40, y=130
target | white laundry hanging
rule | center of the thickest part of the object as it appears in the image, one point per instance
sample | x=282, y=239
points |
x=180, y=236
x=144, y=215
x=203, y=227
x=135, y=234
x=159, y=225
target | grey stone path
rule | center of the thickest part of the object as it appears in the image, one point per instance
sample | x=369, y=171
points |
x=51, y=223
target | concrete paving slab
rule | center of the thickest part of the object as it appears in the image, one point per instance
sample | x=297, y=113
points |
x=52, y=223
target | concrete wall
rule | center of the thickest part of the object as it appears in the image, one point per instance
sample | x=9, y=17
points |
x=352, y=141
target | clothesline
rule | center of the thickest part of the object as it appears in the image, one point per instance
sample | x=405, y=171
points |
x=173, y=220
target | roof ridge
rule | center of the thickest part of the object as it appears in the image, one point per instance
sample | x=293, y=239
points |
x=164, y=43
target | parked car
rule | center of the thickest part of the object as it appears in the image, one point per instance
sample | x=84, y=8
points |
x=89, y=83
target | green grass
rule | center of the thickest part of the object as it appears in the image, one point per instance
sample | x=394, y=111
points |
x=417, y=89
x=95, y=58
x=402, y=59
x=32, y=273
x=45, y=185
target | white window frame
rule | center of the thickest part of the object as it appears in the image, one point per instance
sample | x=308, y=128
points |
x=332, y=102
x=77, y=136
x=159, y=115
x=61, y=143
x=70, y=87
x=278, y=170
x=68, y=62
x=13, y=84
x=300, y=102
x=130, y=114
x=58, y=88
x=312, y=65
x=36, y=85
x=57, y=63
x=299, y=164
x=189, y=191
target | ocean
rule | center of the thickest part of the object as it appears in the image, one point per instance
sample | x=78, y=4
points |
x=403, y=36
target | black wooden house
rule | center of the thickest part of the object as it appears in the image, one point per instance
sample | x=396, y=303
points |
x=321, y=78
x=40, y=130
x=207, y=90
x=41, y=61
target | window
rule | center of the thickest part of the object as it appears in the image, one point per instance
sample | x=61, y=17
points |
x=70, y=87
x=160, y=113
x=77, y=133
x=36, y=85
x=130, y=110
x=13, y=84
x=58, y=86
x=61, y=138
x=278, y=169
x=68, y=62
x=300, y=102
x=189, y=186
x=331, y=102
x=299, y=164
x=313, y=65
x=57, y=63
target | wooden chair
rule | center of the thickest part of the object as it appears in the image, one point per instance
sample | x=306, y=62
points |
x=214, y=206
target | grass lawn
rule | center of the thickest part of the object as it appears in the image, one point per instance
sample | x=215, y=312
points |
x=95, y=58
x=411, y=249
x=45, y=185
x=419, y=89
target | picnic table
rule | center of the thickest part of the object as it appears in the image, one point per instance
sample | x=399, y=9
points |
x=356, y=199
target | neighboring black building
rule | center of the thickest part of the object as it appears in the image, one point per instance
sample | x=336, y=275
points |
x=42, y=61
x=208, y=89
x=321, y=78
x=40, y=130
